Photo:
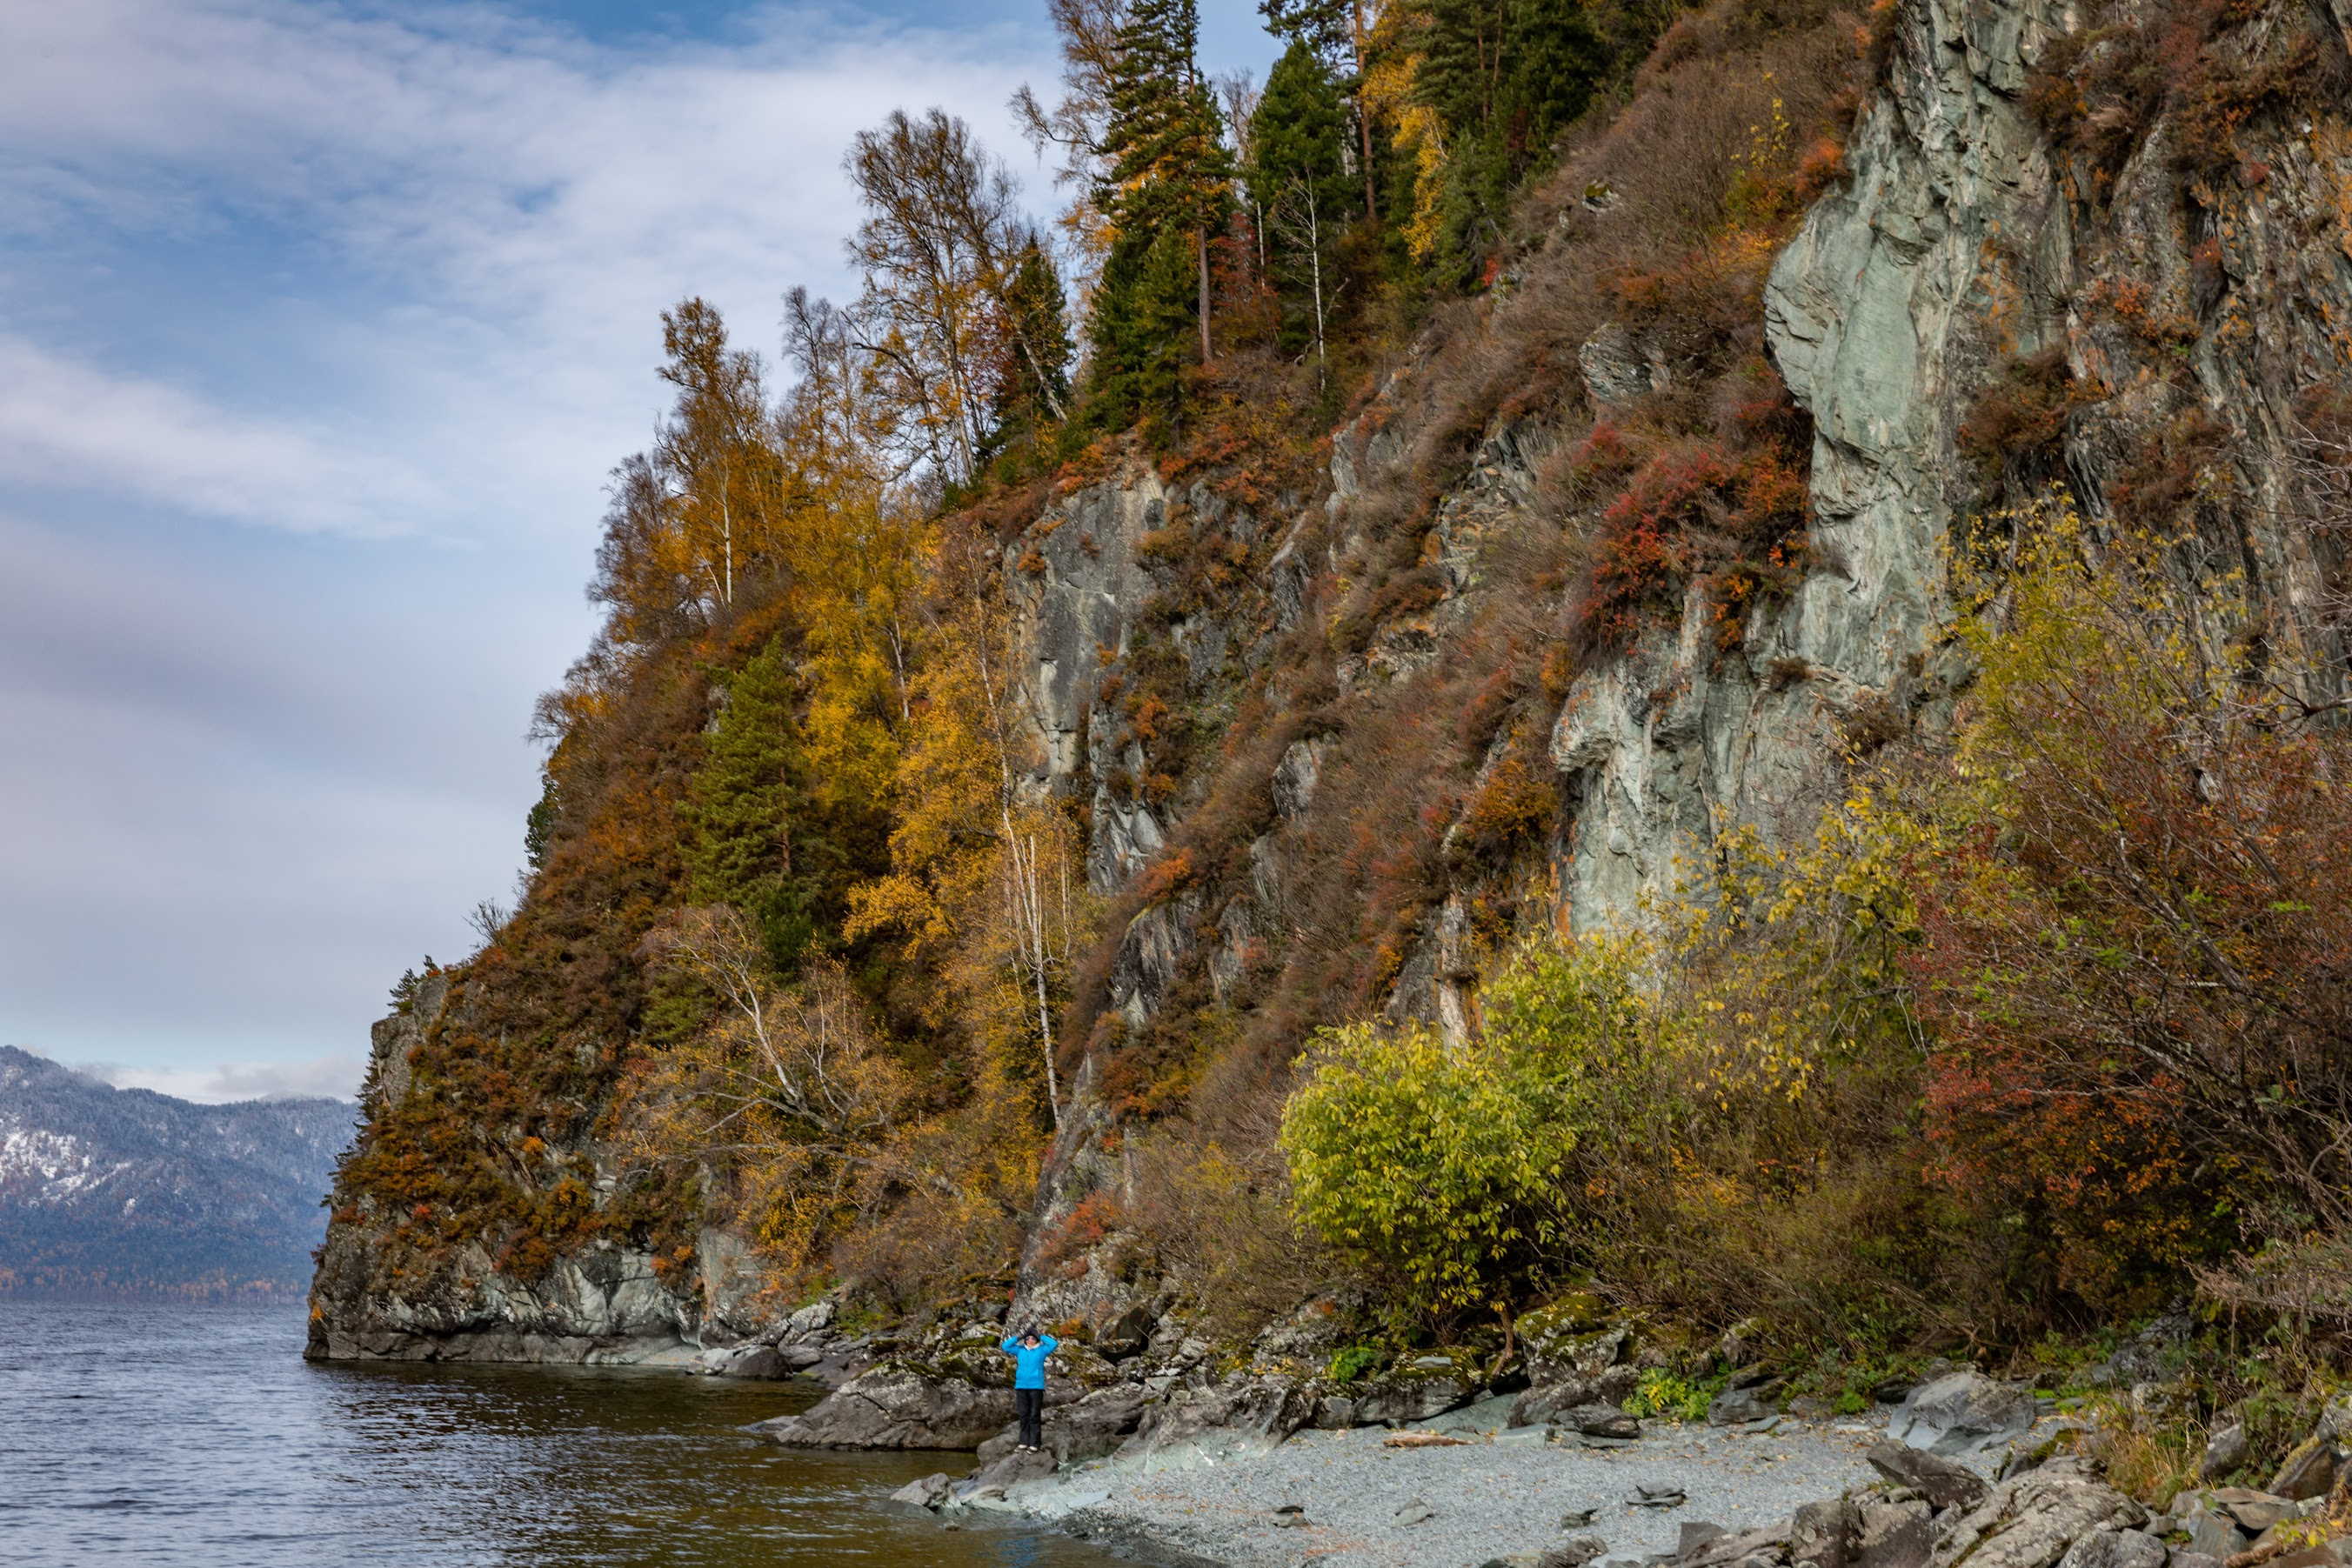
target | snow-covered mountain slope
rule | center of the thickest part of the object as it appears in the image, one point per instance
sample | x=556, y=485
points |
x=126, y=1191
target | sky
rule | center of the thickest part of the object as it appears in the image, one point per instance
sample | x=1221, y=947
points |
x=320, y=327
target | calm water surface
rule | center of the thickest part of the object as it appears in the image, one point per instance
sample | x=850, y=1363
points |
x=144, y=1433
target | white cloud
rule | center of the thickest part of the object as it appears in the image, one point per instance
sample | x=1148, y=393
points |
x=63, y=423
x=328, y=1077
x=477, y=221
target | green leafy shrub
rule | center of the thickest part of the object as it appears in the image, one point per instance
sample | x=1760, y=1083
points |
x=1663, y=1392
x=1436, y=1164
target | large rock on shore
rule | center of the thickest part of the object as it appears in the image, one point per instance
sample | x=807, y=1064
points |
x=2031, y=1521
x=1424, y=1387
x=1962, y=1413
x=898, y=1404
x=1242, y=1416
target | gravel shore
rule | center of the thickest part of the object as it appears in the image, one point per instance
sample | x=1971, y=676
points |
x=1487, y=1500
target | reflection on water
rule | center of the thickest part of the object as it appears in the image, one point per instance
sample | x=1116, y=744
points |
x=158, y=1434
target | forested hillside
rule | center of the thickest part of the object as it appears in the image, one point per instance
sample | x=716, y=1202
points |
x=1694, y=655
x=126, y=1192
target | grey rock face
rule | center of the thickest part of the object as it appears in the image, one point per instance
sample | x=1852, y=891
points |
x=896, y=1406
x=2225, y=1450
x=1954, y=245
x=2031, y=1520
x=1963, y=1412
x=2115, y=1549
x=1895, y=1535
x=1825, y=1534
x=1240, y=1416
x=1943, y=1483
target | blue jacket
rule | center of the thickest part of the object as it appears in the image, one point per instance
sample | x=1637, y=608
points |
x=1029, y=1362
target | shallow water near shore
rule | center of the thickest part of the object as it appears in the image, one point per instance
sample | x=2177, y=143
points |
x=160, y=1434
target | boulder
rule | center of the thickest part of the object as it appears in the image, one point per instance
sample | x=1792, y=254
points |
x=757, y=1361
x=1693, y=1534
x=1735, y=1405
x=1598, y=1420
x=1020, y=1465
x=1825, y=1534
x=896, y=1406
x=1895, y=1535
x=2309, y=1470
x=1771, y=1543
x=931, y=1492
x=1242, y=1416
x=1095, y=1425
x=2225, y=1450
x=1574, y=1553
x=1549, y=1402
x=2213, y=1534
x=2031, y=1520
x=1943, y=1483
x=1570, y=1338
x=2252, y=1511
x=1128, y=1336
x=2115, y=1549
x=1962, y=1413
x=1421, y=1387
x=1334, y=1413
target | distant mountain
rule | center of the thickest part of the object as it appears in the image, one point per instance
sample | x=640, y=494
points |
x=126, y=1192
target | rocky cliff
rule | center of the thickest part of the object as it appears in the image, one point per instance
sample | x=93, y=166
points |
x=2017, y=218
x=1341, y=728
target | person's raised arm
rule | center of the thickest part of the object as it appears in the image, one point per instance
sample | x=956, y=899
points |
x=1010, y=1346
x=1049, y=1344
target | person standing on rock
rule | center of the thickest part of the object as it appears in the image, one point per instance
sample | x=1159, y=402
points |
x=1029, y=1351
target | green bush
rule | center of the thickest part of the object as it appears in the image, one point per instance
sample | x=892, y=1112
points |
x=1436, y=1165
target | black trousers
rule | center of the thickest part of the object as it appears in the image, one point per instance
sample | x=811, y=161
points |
x=1029, y=1406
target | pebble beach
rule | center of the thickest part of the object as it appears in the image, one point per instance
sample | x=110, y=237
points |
x=1491, y=1497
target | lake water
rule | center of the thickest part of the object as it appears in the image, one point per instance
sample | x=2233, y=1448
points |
x=198, y=1434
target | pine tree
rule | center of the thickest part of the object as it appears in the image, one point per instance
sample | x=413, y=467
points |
x=1503, y=78
x=1340, y=36
x=753, y=842
x=1299, y=184
x=1031, y=373
x=1167, y=182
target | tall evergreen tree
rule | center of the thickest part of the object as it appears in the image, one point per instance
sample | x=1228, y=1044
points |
x=1031, y=374
x=1503, y=78
x=1167, y=182
x=1339, y=35
x=1299, y=186
x=753, y=842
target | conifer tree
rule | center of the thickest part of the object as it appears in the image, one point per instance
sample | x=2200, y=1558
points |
x=1298, y=181
x=1502, y=78
x=1166, y=186
x=753, y=841
x=1031, y=373
x=1338, y=32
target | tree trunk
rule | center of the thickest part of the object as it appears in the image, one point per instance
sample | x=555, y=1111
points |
x=1202, y=238
x=1363, y=116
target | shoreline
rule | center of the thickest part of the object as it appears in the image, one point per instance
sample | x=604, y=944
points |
x=1507, y=1497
